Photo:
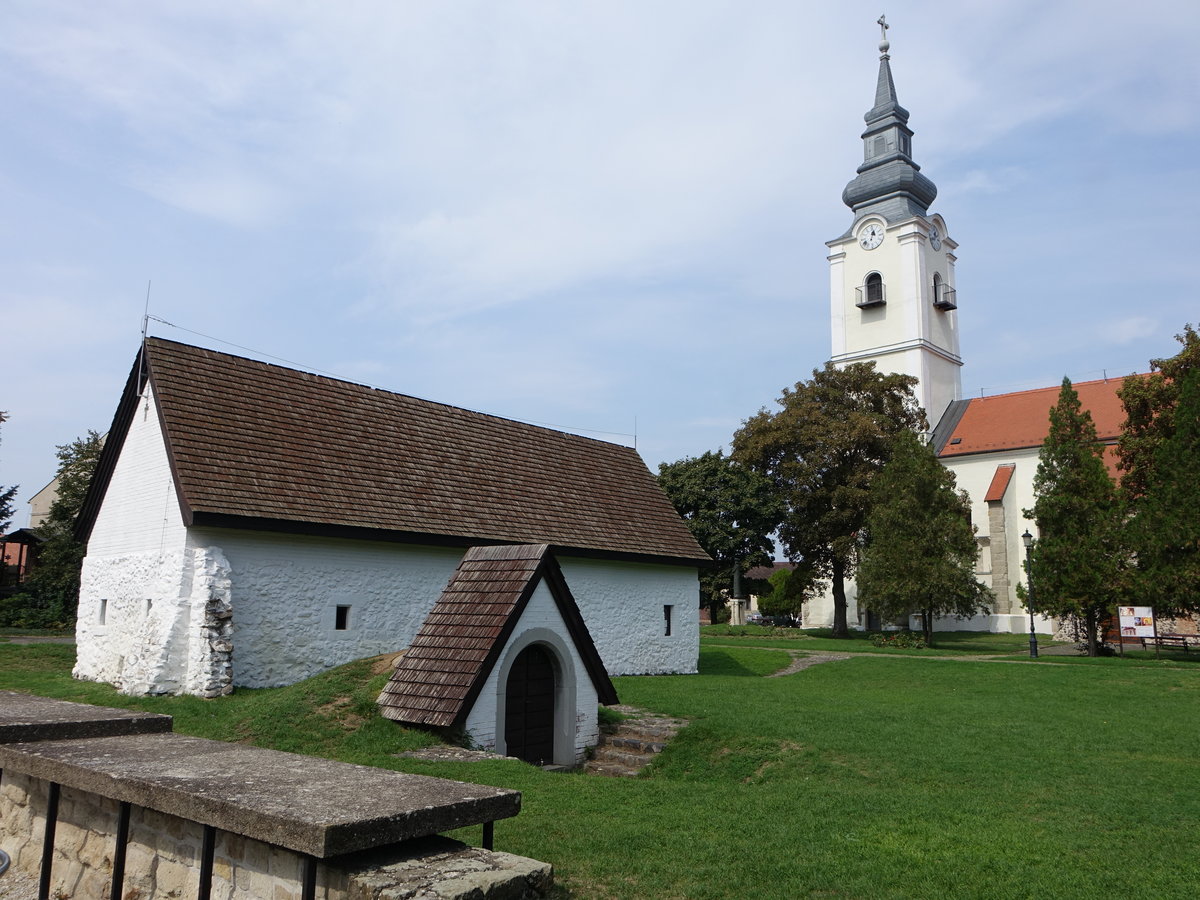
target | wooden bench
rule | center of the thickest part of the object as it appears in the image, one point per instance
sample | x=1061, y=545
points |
x=1171, y=642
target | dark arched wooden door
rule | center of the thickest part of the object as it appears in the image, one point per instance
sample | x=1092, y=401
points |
x=529, y=707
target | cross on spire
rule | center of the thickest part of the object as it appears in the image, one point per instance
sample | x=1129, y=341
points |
x=883, y=41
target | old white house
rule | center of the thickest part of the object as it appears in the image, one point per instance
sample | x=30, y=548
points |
x=251, y=524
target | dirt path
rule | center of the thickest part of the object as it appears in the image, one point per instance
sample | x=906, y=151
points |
x=804, y=659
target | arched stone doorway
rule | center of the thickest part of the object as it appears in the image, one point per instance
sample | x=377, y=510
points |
x=529, y=695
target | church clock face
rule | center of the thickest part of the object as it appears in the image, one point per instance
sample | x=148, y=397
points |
x=871, y=236
x=935, y=237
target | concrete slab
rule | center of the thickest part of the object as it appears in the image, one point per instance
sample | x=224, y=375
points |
x=25, y=718
x=314, y=806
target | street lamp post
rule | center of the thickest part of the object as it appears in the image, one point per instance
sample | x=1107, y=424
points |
x=1027, y=539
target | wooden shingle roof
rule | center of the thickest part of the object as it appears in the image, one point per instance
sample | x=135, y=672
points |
x=443, y=671
x=255, y=445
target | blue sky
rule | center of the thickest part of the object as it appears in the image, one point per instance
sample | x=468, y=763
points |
x=602, y=216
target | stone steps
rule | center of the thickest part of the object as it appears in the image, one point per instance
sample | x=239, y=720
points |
x=626, y=749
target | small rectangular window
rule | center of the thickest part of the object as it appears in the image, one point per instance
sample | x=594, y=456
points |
x=149, y=606
x=100, y=620
x=667, y=619
x=341, y=619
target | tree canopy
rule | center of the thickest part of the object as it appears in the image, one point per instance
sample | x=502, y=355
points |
x=922, y=552
x=1165, y=527
x=51, y=592
x=821, y=451
x=1150, y=402
x=1076, y=564
x=730, y=510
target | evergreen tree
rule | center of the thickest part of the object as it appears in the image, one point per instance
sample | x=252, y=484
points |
x=922, y=551
x=51, y=594
x=6, y=496
x=1165, y=530
x=1076, y=564
x=821, y=450
x=785, y=593
x=730, y=510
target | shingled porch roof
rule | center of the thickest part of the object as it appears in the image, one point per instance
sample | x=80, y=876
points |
x=256, y=445
x=440, y=676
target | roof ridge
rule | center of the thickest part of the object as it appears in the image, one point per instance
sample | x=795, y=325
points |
x=1058, y=387
x=336, y=379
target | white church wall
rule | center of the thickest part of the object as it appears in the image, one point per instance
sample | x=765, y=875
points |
x=623, y=606
x=974, y=474
x=576, y=723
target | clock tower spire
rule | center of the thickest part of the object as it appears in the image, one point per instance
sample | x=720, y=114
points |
x=892, y=295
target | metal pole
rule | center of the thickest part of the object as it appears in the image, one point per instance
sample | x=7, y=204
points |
x=48, y=841
x=1027, y=540
x=206, y=863
x=308, y=878
x=118, y=873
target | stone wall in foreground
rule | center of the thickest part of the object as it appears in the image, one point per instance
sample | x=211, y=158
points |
x=163, y=853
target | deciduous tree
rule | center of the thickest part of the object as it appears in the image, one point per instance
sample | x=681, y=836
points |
x=821, y=450
x=730, y=510
x=1077, y=563
x=922, y=551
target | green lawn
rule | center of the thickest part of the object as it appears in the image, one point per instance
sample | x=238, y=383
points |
x=945, y=642
x=879, y=776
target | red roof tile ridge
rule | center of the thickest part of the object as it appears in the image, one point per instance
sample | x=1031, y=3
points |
x=1058, y=387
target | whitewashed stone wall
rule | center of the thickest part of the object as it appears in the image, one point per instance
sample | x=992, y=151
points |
x=576, y=724
x=286, y=590
x=622, y=604
x=141, y=508
x=153, y=623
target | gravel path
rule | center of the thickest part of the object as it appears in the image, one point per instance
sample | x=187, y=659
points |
x=808, y=660
x=16, y=885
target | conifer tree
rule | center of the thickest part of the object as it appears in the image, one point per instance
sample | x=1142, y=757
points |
x=51, y=593
x=1165, y=530
x=6, y=496
x=1076, y=563
x=922, y=552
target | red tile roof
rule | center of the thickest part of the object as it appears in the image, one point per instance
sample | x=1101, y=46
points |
x=1000, y=480
x=442, y=673
x=1021, y=420
x=262, y=446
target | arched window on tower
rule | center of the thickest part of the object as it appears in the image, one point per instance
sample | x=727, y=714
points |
x=943, y=294
x=871, y=293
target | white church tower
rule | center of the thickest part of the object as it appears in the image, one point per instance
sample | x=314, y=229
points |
x=891, y=275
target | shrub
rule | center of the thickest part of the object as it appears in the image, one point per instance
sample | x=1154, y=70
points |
x=901, y=640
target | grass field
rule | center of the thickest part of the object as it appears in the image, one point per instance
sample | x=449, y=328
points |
x=880, y=776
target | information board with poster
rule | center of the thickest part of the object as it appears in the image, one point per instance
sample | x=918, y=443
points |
x=1136, y=622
